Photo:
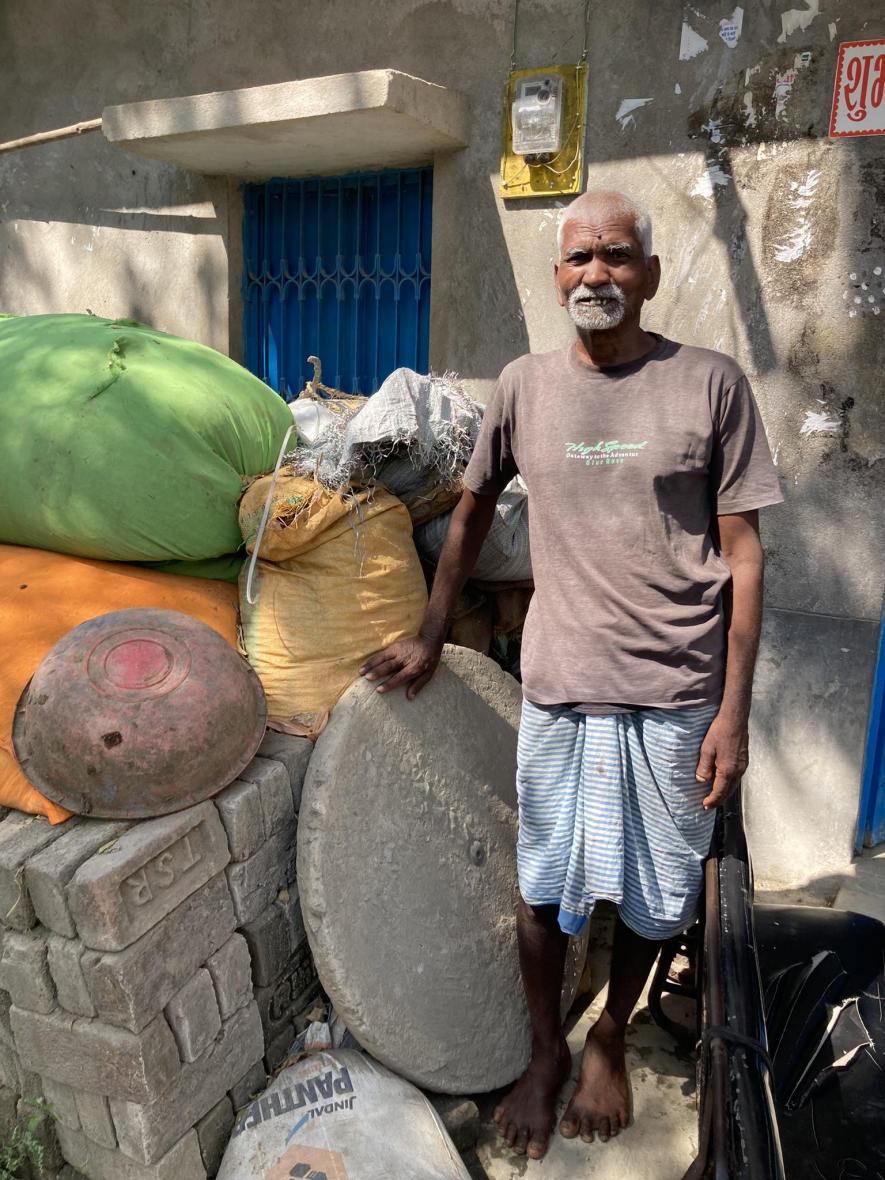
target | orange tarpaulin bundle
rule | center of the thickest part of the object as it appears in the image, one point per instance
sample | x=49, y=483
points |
x=44, y=595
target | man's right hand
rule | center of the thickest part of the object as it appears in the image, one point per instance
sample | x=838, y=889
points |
x=411, y=661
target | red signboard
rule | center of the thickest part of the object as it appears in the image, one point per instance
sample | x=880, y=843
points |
x=859, y=97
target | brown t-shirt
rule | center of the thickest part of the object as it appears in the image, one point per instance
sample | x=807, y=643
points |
x=626, y=467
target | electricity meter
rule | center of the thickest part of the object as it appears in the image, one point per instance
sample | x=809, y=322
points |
x=536, y=115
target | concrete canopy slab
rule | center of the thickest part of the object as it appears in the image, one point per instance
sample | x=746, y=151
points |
x=339, y=123
x=407, y=872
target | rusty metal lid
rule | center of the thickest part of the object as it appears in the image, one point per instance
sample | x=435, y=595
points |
x=138, y=713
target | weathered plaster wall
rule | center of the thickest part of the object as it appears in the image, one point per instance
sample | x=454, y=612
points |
x=772, y=240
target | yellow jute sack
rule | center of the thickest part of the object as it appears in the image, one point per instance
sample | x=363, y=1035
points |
x=337, y=579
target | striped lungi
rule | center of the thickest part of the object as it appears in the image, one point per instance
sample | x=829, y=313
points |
x=609, y=807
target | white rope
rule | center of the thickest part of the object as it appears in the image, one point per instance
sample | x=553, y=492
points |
x=265, y=514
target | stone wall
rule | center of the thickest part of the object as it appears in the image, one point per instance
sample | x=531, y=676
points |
x=152, y=972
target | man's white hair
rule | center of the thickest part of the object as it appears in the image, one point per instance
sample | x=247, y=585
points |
x=618, y=203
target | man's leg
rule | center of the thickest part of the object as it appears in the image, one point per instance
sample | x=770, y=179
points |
x=601, y=1102
x=525, y=1117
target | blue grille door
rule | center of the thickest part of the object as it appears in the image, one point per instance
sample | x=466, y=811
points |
x=337, y=267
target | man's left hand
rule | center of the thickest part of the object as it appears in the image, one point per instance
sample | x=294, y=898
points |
x=724, y=758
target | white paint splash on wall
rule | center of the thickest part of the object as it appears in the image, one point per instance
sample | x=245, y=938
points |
x=832, y=27
x=730, y=28
x=714, y=129
x=796, y=20
x=691, y=43
x=626, y=109
x=784, y=82
x=677, y=89
x=798, y=239
x=819, y=422
x=710, y=179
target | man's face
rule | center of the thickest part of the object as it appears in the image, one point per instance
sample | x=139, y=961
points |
x=603, y=277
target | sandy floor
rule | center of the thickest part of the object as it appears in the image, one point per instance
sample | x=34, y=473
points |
x=659, y=1146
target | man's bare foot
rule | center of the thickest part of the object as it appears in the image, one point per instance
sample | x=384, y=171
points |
x=601, y=1103
x=525, y=1117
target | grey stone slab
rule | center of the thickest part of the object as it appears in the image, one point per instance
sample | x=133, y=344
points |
x=62, y=1100
x=9, y=1067
x=5, y=1027
x=251, y=1083
x=290, y=900
x=65, y=959
x=807, y=733
x=270, y=944
x=95, y=1118
x=181, y=1162
x=91, y=1055
x=408, y=826
x=47, y=874
x=294, y=753
x=145, y=1132
x=254, y=883
x=24, y=972
x=193, y=1016
x=239, y=806
x=272, y=780
x=276, y=1051
x=129, y=987
x=21, y=837
x=231, y=971
x=213, y=1131
x=116, y=896
x=279, y=1003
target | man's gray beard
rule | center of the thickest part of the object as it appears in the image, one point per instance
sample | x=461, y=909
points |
x=596, y=317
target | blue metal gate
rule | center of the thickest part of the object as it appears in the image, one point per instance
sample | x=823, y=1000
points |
x=871, y=822
x=337, y=267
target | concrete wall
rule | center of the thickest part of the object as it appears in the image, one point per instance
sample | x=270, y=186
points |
x=767, y=232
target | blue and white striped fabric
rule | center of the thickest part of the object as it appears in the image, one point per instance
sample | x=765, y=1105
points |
x=609, y=808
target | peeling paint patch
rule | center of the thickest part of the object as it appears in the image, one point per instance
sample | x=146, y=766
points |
x=749, y=109
x=832, y=28
x=714, y=129
x=817, y=422
x=796, y=20
x=691, y=43
x=730, y=28
x=624, y=115
x=677, y=89
x=711, y=178
x=785, y=80
x=798, y=239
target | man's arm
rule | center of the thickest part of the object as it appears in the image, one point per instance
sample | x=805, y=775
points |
x=724, y=752
x=413, y=661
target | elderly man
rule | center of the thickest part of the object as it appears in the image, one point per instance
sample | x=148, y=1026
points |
x=646, y=463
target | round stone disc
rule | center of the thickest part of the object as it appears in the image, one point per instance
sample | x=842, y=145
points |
x=407, y=875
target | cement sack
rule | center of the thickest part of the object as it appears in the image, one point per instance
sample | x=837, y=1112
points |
x=337, y=579
x=505, y=555
x=122, y=443
x=340, y=1116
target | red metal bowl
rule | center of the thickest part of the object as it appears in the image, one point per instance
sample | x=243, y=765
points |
x=138, y=713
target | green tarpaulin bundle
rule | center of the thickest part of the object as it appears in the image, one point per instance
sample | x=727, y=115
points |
x=126, y=444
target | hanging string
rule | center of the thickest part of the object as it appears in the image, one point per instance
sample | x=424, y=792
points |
x=586, y=31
